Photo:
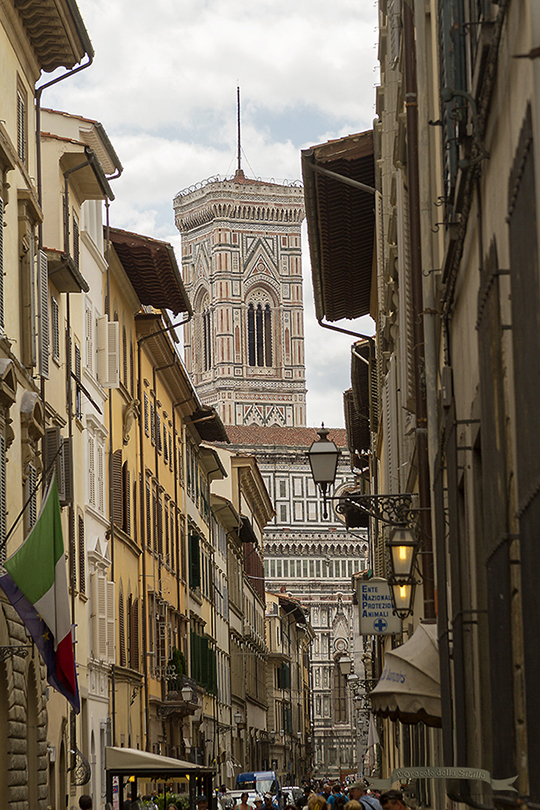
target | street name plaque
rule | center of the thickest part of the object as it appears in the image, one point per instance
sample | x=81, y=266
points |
x=429, y=772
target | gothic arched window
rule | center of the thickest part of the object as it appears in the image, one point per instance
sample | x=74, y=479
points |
x=206, y=336
x=259, y=323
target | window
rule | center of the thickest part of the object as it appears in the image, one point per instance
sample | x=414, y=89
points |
x=55, y=330
x=76, y=242
x=22, y=124
x=89, y=339
x=82, y=555
x=259, y=322
x=206, y=338
x=31, y=496
x=78, y=391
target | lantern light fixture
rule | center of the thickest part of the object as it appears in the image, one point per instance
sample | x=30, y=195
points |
x=323, y=458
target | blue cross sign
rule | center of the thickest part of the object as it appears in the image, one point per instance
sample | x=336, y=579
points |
x=380, y=625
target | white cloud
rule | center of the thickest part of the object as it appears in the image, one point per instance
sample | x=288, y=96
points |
x=163, y=84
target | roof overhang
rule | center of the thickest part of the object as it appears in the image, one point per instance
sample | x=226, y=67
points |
x=341, y=224
x=64, y=273
x=209, y=426
x=85, y=172
x=409, y=688
x=56, y=31
x=132, y=762
x=152, y=269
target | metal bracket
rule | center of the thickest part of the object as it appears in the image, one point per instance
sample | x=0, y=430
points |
x=396, y=510
x=14, y=649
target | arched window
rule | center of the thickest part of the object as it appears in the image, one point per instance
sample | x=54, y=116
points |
x=206, y=335
x=259, y=322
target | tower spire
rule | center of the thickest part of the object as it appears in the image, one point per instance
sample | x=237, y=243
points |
x=239, y=165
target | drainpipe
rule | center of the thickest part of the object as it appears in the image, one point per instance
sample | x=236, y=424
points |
x=38, y=94
x=424, y=491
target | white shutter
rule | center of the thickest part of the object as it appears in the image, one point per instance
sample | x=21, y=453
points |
x=100, y=483
x=108, y=365
x=113, y=360
x=89, y=328
x=100, y=645
x=91, y=471
x=111, y=646
x=43, y=313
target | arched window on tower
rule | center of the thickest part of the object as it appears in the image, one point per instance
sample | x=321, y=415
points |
x=259, y=323
x=206, y=359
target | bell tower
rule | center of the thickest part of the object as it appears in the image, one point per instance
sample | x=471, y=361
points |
x=242, y=268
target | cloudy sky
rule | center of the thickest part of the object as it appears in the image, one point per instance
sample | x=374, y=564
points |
x=163, y=84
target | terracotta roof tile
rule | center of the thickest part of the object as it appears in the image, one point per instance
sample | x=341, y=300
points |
x=276, y=436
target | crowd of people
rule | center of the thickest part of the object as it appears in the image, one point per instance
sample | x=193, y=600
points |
x=352, y=796
x=328, y=796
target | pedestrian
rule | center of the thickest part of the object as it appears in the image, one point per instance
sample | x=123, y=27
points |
x=392, y=800
x=258, y=802
x=85, y=802
x=202, y=802
x=326, y=790
x=268, y=801
x=336, y=793
x=243, y=805
x=316, y=802
x=357, y=793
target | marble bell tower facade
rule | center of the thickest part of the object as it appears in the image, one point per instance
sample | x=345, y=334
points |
x=242, y=268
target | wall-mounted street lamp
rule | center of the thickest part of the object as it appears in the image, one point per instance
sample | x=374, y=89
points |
x=272, y=736
x=282, y=732
x=187, y=693
x=345, y=665
x=394, y=510
x=403, y=548
x=323, y=457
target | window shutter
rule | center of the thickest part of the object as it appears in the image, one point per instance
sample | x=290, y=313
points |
x=91, y=472
x=405, y=297
x=152, y=424
x=31, y=497
x=100, y=479
x=78, y=392
x=117, y=505
x=82, y=556
x=55, y=329
x=110, y=641
x=194, y=562
x=43, y=313
x=108, y=361
x=394, y=25
x=134, y=635
x=21, y=127
x=65, y=485
x=76, y=242
x=89, y=336
x=121, y=630
x=127, y=498
x=51, y=460
x=72, y=552
x=148, y=516
x=146, y=413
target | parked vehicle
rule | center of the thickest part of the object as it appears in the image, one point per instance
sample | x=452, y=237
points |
x=262, y=782
x=291, y=793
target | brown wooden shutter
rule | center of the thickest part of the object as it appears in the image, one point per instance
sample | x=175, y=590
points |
x=126, y=493
x=82, y=556
x=118, y=498
x=134, y=636
x=121, y=629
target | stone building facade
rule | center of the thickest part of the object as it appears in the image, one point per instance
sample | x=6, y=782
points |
x=241, y=262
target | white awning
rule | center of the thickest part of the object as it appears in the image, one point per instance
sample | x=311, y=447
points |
x=134, y=762
x=409, y=688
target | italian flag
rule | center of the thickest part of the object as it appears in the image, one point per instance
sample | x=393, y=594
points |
x=36, y=585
